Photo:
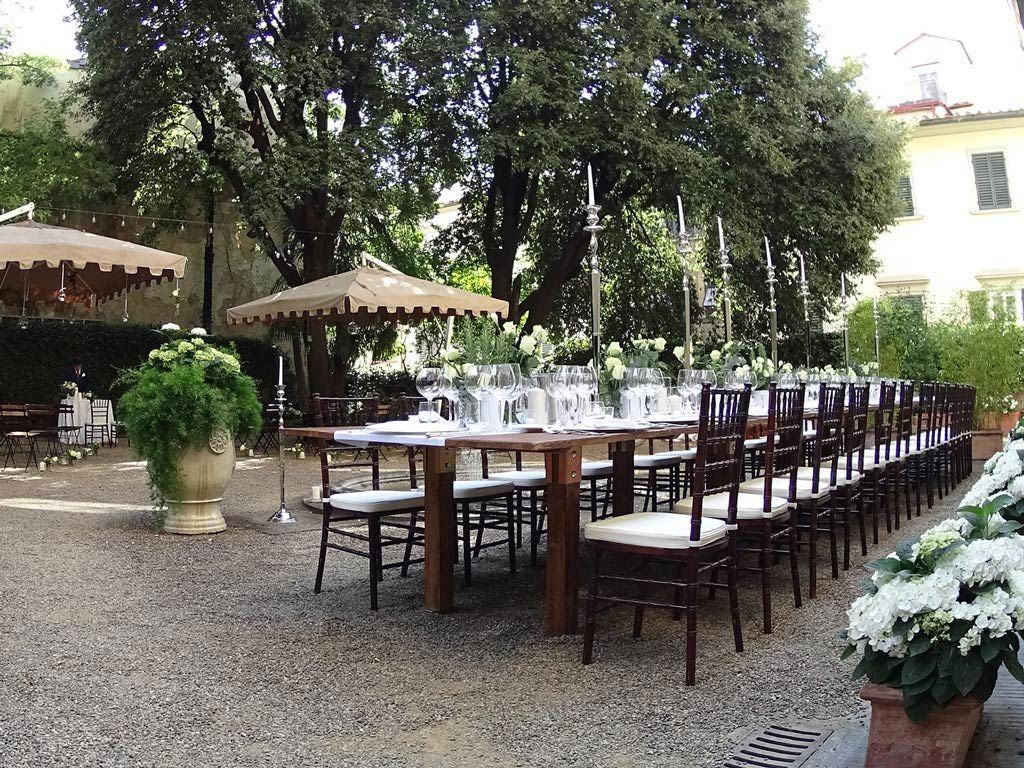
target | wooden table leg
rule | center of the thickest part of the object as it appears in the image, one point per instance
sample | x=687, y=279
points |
x=439, y=522
x=622, y=478
x=564, y=469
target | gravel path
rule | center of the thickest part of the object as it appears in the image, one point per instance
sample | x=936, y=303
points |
x=121, y=647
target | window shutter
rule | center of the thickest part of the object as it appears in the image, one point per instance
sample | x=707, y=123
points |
x=990, y=180
x=906, y=193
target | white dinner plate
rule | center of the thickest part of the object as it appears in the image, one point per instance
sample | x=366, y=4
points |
x=614, y=425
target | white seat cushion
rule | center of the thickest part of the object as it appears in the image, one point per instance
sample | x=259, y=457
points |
x=755, y=443
x=597, y=469
x=663, y=530
x=806, y=474
x=370, y=502
x=749, y=506
x=482, y=489
x=657, y=460
x=522, y=478
x=869, y=461
x=780, y=488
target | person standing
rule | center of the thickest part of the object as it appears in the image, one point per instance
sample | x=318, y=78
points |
x=76, y=374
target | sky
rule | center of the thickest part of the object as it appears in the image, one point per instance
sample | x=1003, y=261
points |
x=869, y=30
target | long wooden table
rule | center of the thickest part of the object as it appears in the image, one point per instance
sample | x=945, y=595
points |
x=563, y=458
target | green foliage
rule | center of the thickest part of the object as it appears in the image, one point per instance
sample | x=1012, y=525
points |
x=989, y=356
x=185, y=392
x=36, y=357
x=43, y=164
x=909, y=344
x=726, y=103
x=30, y=68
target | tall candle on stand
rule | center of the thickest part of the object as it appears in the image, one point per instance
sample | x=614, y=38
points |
x=772, y=314
x=590, y=185
x=803, y=275
x=721, y=235
x=280, y=371
x=768, y=251
x=682, y=220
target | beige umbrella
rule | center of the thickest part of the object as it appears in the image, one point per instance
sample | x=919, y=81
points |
x=365, y=295
x=41, y=260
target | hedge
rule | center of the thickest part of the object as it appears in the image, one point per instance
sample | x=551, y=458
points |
x=35, y=356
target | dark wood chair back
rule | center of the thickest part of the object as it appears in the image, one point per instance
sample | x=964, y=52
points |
x=904, y=425
x=925, y=415
x=855, y=429
x=344, y=411
x=785, y=437
x=884, y=417
x=828, y=433
x=718, y=467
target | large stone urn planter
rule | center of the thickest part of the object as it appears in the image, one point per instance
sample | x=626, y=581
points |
x=986, y=442
x=204, y=473
x=896, y=741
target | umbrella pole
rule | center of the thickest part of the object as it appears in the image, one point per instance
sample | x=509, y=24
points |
x=282, y=515
x=593, y=227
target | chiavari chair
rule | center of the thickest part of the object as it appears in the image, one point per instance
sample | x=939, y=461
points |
x=903, y=427
x=689, y=545
x=816, y=511
x=761, y=531
x=847, y=491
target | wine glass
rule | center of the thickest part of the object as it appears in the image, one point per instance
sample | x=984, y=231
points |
x=486, y=382
x=428, y=383
x=813, y=385
x=507, y=377
x=586, y=386
x=739, y=378
x=787, y=381
x=633, y=383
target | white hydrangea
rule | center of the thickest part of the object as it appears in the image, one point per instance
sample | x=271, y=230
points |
x=197, y=331
x=985, y=561
x=170, y=327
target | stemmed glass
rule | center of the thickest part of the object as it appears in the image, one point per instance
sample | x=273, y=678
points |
x=429, y=383
x=552, y=389
x=737, y=379
x=507, y=378
x=813, y=384
x=633, y=383
x=450, y=392
x=787, y=381
x=586, y=388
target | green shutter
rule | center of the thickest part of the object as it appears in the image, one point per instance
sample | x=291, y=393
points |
x=906, y=196
x=990, y=180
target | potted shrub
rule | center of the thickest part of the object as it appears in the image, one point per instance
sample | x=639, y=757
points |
x=183, y=407
x=942, y=616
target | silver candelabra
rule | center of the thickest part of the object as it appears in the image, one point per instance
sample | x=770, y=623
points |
x=723, y=262
x=773, y=315
x=684, y=247
x=594, y=228
x=282, y=515
x=805, y=294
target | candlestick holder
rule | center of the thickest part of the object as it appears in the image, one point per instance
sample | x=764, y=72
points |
x=874, y=314
x=282, y=515
x=773, y=316
x=594, y=227
x=723, y=262
x=684, y=247
x=805, y=294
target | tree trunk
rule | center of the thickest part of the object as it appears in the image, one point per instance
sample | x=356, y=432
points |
x=317, y=253
x=301, y=382
x=208, y=266
x=541, y=301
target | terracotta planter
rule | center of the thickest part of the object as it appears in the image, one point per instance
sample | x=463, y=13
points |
x=986, y=442
x=204, y=476
x=895, y=741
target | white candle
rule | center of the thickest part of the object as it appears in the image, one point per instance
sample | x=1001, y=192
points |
x=682, y=220
x=280, y=371
x=842, y=284
x=536, y=406
x=590, y=185
x=803, y=276
x=768, y=251
x=874, y=304
x=721, y=235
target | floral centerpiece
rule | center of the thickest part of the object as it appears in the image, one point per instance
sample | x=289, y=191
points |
x=483, y=342
x=185, y=402
x=69, y=388
x=616, y=358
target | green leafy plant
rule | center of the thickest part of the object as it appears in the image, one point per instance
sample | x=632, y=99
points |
x=944, y=613
x=178, y=398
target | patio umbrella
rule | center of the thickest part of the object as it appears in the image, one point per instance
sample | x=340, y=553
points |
x=38, y=260
x=365, y=295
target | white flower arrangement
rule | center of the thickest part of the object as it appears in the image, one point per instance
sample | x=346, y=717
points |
x=170, y=327
x=198, y=331
x=944, y=613
x=69, y=387
x=1003, y=473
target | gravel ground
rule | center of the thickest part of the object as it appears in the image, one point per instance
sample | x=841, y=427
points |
x=122, y=647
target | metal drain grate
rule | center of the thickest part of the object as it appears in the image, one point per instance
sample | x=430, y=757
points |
x=777, y=746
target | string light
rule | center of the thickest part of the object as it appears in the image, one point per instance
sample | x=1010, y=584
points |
x=153, y=220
